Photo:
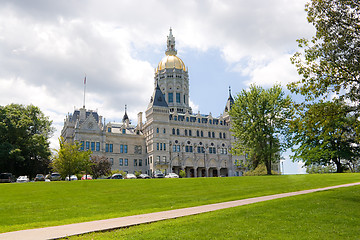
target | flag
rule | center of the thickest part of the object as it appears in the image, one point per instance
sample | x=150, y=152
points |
x=85, y=80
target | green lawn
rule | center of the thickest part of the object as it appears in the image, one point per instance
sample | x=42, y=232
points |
x=40, y=204
x=332, y=214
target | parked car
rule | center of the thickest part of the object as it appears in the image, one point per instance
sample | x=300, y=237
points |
x=6, y=178
x=55, y=176
x=39, y=177
x=72, y=178
x=144, y=176
x=22, y=179
x=130, y=176
x=158, y=174
x=86, y=177
x=172, y=175
x=116, y=176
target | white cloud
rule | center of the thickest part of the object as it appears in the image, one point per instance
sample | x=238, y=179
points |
x=47, y=47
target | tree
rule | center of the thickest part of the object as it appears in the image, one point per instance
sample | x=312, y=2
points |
x=260, y=124
x=100, y=166
x=325, y=134
x=24, y=140
x=330, y=62
x=70, y=159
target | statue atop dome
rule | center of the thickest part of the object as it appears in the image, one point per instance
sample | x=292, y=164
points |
x=170, y=44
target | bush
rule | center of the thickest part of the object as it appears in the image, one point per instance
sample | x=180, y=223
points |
x=259, y=171
x=182, y=173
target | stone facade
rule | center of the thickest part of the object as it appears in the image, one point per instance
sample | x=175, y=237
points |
x=173, y=138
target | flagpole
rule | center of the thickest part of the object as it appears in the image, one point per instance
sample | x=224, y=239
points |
x=84, y=90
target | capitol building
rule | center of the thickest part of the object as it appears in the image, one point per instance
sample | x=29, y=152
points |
x=172, y=137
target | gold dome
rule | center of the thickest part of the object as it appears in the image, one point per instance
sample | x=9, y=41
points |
x=170, y=62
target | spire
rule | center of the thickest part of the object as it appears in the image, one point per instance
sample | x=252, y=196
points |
x=229, y=102
x=125, y=115
x=170, y=44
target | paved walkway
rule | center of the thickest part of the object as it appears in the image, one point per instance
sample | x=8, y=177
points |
x=114, y=223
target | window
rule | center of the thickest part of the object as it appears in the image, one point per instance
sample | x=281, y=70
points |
x=197, y=133
x=170, y=97
x=186, y=132
x=190, y=133
x=126, y=162
x=164, y=146
x=135, y=162
x=97, y=146
x=188, y=149
x=158, y=159
x=164, y=159
x=157, y=130
x=161, y=146
x=121, y=148
x=112, y=161
x=213, y=135
x=164, y=130
x=177, y=132
x=92, y=146
x=109, y=130
x=121, y=161
x=107, y=147
x=173, y=131
x=178, y=97
x=220, y=135
x=198, y=120
x=124, y=131
x=202, y=134
x=184, y=98
x=140, y=162
x=87, y=145
x=82, y=145
x=110, y=148
x=224, y=136
x=125, y=148
x=157, y=146
x=209, y=134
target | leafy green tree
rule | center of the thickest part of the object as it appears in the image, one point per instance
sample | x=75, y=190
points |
x=325, y=134
x=70, y=159
x=100, y=166
x=260, y=121
x=24, y=140
x=330, y=61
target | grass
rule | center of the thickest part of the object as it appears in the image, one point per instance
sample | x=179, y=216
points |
x=332, y=214
x=41, y=204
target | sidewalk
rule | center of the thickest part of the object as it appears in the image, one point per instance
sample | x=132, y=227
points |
x=114, y=223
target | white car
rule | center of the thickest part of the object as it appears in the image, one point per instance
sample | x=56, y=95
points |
x=72, y=178
x=22, y=179
x=130, y=176
x=172, y=175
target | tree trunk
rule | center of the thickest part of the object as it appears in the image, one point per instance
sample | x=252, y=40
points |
x=339, y=167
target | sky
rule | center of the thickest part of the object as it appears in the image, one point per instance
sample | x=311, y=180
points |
x=47, y=48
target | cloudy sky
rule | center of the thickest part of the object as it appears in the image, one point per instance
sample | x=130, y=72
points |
x=47, y=47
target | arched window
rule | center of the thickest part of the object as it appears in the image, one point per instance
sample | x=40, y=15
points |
x=177, y=132
x=173, y=131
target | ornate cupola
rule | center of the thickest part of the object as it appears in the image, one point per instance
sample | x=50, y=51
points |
x=171, y=76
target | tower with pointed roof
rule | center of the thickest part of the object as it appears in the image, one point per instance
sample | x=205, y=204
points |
x=172, y=77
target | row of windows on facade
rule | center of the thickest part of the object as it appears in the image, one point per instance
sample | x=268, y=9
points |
x=189, y=148
x=95, y=146
x=171, y=76
x=125, y=162
x=189, y=133
x=199, y=120
x=198, y=133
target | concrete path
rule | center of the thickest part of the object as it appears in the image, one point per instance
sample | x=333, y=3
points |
x=114, y=223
